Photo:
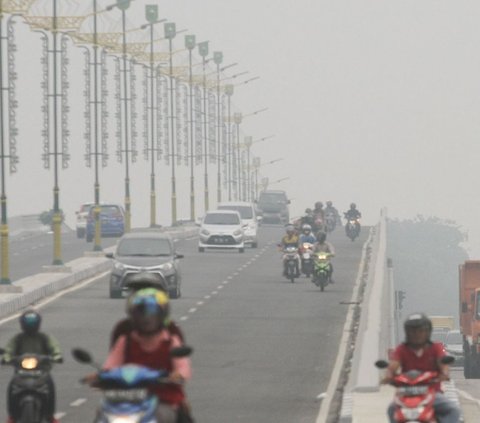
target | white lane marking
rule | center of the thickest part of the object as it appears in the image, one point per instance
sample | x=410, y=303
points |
x=43, y=303
x=468, y=397
x=236, y=274
x=191, y=238
x=200, y=303
x=77, y=402
x=240, y=269
x=226, y=282
x=207, y=297
x=183, y=318
x=59, y=415
x=214, y=292
x=220, y=287
x=192, y=310
x=230, y=277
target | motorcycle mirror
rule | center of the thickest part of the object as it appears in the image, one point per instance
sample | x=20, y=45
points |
x=448, y=359
x=82, y=356
x=179, y=352
x=381, y=364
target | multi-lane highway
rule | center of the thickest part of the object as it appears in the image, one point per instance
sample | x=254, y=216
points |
x=264, y=348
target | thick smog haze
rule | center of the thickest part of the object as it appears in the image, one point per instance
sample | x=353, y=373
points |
x=373, y=102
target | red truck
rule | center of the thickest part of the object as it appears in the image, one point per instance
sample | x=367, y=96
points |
x=469, y=296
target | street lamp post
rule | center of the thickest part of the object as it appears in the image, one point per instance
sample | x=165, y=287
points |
x=190, y=43
x=151, y=15
x=170, y=33
x=123, y=5
x=229, y=149
x=237, y=119
x=256, y=166
x=218, y=59
x=203, y=51
x=248, y=144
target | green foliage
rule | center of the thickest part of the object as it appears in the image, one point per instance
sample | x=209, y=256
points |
x=426, y=253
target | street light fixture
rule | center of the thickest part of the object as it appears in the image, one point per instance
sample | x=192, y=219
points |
x=170, y=33
x=203, y=51
x=218, y=59
x=123, y=5
x=190, y=44
x=151, y=15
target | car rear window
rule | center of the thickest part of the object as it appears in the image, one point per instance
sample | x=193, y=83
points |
x=109, y=211
x=272, y=198
x=144, y=247
x=245, y=211
x=221, y=219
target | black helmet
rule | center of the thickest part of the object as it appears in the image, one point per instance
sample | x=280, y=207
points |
x=418, y=320
x=321, y=237
x=308, y=211
x=318, y=205
x=30, y=321
x=353, y=206
x=329, y=204
x=136, y=281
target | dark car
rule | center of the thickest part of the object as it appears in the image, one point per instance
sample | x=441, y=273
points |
x=152, y=252
x=112, y=221
x=272, y=205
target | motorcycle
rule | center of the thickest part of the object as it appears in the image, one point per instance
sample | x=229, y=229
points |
x=352, y=228
x=306, y=254
x=415, y=393
x=330, y=222
x=321, y=269
x=126, y=397
x=290, y=262
x=318, y=224
x=30, y=387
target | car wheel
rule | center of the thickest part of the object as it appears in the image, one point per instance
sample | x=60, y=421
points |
x=89, y=238
x=255, y=245
x=80, y=233
x=241, y=250
x=201, y=249
x=175, y=293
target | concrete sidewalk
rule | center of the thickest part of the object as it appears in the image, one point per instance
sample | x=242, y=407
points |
x=43, y=285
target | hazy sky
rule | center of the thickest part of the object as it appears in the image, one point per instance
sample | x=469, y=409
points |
x=372, y=101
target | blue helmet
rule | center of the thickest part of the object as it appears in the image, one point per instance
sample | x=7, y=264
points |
x=30, y=321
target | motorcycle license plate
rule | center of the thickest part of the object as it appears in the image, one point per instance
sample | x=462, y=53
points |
x=306, y=256
x=413, y=391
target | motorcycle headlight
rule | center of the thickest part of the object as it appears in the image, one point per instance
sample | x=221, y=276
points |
x=205, y=232
x=412, y=413
x=29, y=363
x=133, y=418
x=166, y=266
x=237, y=232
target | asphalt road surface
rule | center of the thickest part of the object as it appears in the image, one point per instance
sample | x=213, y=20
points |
x=264, y=347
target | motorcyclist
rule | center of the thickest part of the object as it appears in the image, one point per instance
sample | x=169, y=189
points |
x=307, y=218
x=418, y=352
x=136, y=282
x=353, y=213
x=306, y=236
x=331, y=210
x=291, y=239
x=318, y=216
x=323, y=246
x=149, y=344
x=31, y=340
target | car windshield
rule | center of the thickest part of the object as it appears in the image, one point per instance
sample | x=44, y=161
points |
x=144, y=247
x=245, y=211
x=85, y=207
x=454, y=338
x=272, y=198
x=221, y=219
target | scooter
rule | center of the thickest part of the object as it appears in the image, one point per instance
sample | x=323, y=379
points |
x=30, y=387
x=321, y=269
x=126, y=397
x=290, y=262
x=330, y=222
x=306, y=254
x=352, y=228
x=415, y=393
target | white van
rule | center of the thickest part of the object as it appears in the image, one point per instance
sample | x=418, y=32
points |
x=249, y=219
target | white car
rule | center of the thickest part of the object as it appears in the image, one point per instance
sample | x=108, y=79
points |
x=221, y=229
x=249, y=220
x=82, y=214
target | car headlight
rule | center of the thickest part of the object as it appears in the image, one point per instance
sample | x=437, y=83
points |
x=204, y=232
x=237, y=232
x=166, y=266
